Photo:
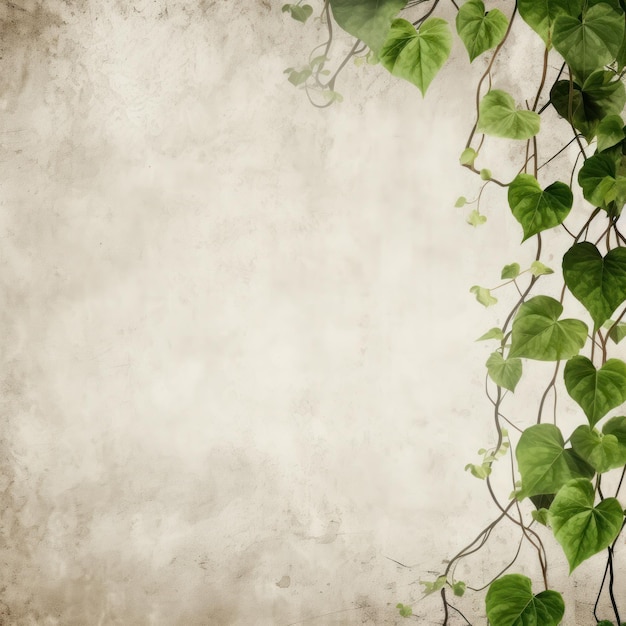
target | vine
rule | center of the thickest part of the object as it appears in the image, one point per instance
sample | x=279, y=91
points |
x=582, y=70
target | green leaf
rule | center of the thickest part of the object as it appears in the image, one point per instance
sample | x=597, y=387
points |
x=492, y=333
x=483, y=295
x=544, y=463
x=602, y=452
x=598, y=97
x=404, y=609
x=591, y=40
x=485, y=174
x=432, y=587
x=598, y=179
x=300, y=13
x=582, y=529
x=478, y=30
x=617, y=332
x=540, y=14
x=479, y=471
x=616, y=427
x=459, y=588
x=468, y=156
x=540, y=516
x=510, y=271
x=504, y=372
x=296, y=77
x=498, y=116
x=368, y=20
x=537, y=332
x=475, y=219
x=536, y=209
x=417, y=56
x=598, y=283
x=460, y=201
x=610, y=131
x=510, y=602
x=596, y=391
x=537, y=268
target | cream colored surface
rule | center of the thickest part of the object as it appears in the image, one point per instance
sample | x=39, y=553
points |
x=239, y=372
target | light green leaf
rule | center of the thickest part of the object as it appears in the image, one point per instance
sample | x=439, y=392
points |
x=492, y=333
x=510, y=602
x=598, y=283
x=478, y=30
x=536, y=209
x=538, y=333
x=616, y=427
x=485, y=174
x=537, y=268
x=432, y=587
x=544, y=463
x=298, y=77
x=617, y=332
x=300, y=13
x=596, y=391
x=590, y=41
x=498, y=116
x=368, y=20
x=601, y=183
x=468, y=156
x=417, y=56
x=404, y=609
x=540, y=14
x=540, y=516
x=483, y=295
x=602, y=452
x=510, y=271
x=582, y=529
x=504, y=372
x=479, y=471
x=475, y=219
x=610, y=131
x=461, y=201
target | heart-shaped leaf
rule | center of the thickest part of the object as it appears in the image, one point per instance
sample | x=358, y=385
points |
x=478, y=30
x=616, y=426
x=602, y=452
x=591, y=40
x=599, y=283
x=510, y=602
x=417, y=56
x=498, y=116
x=610, y=131
x=582, y=529
x=596, y=391
x=369, y=20
x=510, y=271
x=544, y=463
x=536, y=209
x=540, y=14
x=301, y=13
x=492, y=333
x=599, y=180
x=539, y=334
x=504, y=372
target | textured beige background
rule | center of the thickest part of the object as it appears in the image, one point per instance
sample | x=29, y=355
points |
x=237, y=336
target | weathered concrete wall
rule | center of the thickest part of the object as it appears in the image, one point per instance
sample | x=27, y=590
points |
x=239, y=373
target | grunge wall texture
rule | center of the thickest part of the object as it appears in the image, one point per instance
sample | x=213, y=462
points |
x=236, y=331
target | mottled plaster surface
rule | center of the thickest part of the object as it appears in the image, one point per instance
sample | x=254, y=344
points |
x=236, y=331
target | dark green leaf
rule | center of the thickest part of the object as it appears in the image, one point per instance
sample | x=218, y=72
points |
x=478, y=30
x=536, y=209
x=544, y=463
x=510, y=602
x=538, y=333
x=417, y=56
x=459, y=588
x=504, y=372
x=498, y=116
x=610, y=131
x=598, y=283
x=596, y=391
x=582, y=529
x=542, y=501
x=368, y=20
x=602, y=452
x=540, y=14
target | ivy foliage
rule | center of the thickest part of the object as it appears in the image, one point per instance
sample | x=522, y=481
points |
x=563, y=318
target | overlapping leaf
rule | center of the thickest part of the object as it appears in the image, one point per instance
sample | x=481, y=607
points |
x=603, y=452
x=478, y=30
x=498, y=116
x=540, y=14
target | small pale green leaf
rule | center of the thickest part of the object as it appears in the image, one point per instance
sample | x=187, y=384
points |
x=510, y=602
x=476, y=219
x=301, y=13
x=540, y=14
x=540, y=516
x=468, y=156
x=591, y=40
x=480, y=31
x=460, y=201
x=538, y=333
x=404, y=609
x=599, y=283
x=602, y=452
x=544, y=463
x=610, y=132
x=582, y=529
x=485, y=174
x=510, y=271
x=537, y=268
x=432, y=587
x=483, y=295
x=492, y=333
x=596, y=391
x=497, y=116
x=417, y=56
x=536, y=209
x=479, y=471
x=368, y=20
x=504, y=372
x=298, y=77
x=459, y=588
